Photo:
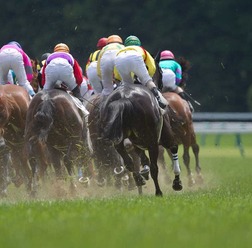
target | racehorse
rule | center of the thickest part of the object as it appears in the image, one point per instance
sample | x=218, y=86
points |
x=183, y=128
x=107, y=161
x=181, y=123
x=14, y=102
x=56, y=127
x=132, y=112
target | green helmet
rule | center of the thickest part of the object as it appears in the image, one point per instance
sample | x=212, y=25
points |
x=132, y=41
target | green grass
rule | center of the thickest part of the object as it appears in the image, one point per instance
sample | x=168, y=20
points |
x=216, y=214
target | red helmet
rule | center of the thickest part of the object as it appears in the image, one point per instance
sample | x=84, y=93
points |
x=166, y=54
x=102, y=42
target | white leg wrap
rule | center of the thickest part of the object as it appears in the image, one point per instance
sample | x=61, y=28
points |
x=176, y=167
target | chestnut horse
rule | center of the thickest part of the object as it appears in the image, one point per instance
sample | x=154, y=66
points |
x=182, y=125
x=131, y=111
x=14, y=102
x=181, y=122
x=56, y=133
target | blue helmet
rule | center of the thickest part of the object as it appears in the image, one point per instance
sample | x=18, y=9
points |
x=15, y=44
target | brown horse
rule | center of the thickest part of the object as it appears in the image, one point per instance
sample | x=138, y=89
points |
x=55, y=126
x=181, y=122
x=182, y=125
x=14, y=102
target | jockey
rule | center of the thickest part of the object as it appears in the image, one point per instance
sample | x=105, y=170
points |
x=172, y=74
x=91, y=66
x=106, y=62
x=134, y=59
x=61, y=67
x=42, y=62
x=12, y=57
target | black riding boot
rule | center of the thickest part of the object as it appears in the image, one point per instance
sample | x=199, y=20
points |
x=183, y=96
x=76, y=93
x=155, y=93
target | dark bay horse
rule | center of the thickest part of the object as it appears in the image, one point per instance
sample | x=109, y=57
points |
x=14, y=102
x=107, y=161
x=132, y=112
x=56, y=133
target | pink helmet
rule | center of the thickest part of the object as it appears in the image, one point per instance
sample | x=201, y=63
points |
x=102, y=42
x=166, y=54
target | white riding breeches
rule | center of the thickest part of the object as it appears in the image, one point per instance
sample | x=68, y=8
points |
x=93, y=78
x=59, y=69
x=11, y=59
x=169, y=80
x=107, y=64
x=129, y=62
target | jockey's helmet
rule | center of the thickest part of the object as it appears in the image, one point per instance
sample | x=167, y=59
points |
x=61, y=47
x=132, y=41
x=102, y=42
x=44, y=58
x=115, y=39
x=15, y=44
x=166, y=54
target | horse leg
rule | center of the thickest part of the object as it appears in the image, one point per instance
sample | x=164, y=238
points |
x=195, y=148
x=132, y=163
x=164, y=167
x=186, y=160
x=177, y=184
x=22, y=169
x=153, y=154
x=69, y=164
x=56, y=159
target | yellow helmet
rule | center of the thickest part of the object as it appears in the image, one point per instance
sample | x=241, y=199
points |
x=114, y=38
x=61, y=47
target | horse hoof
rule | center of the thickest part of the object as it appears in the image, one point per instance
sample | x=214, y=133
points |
x=145, y=172
x=85, y=181
x=118, y=170
x=199, y=180
x=177, y=185
x=191, y=182
x=159, y=194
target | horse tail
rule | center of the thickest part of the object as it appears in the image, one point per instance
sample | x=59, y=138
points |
x=186, y=66
x=113, y=116
x=44, y=119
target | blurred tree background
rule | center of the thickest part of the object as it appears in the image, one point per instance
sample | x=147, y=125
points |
x=215, y=36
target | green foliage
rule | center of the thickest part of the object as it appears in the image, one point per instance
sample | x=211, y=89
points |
x=215, y=36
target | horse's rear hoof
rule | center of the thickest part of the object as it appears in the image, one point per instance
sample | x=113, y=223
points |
x=177, y=184
x=159, y=193
x=199, y=180
x=85, y=181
